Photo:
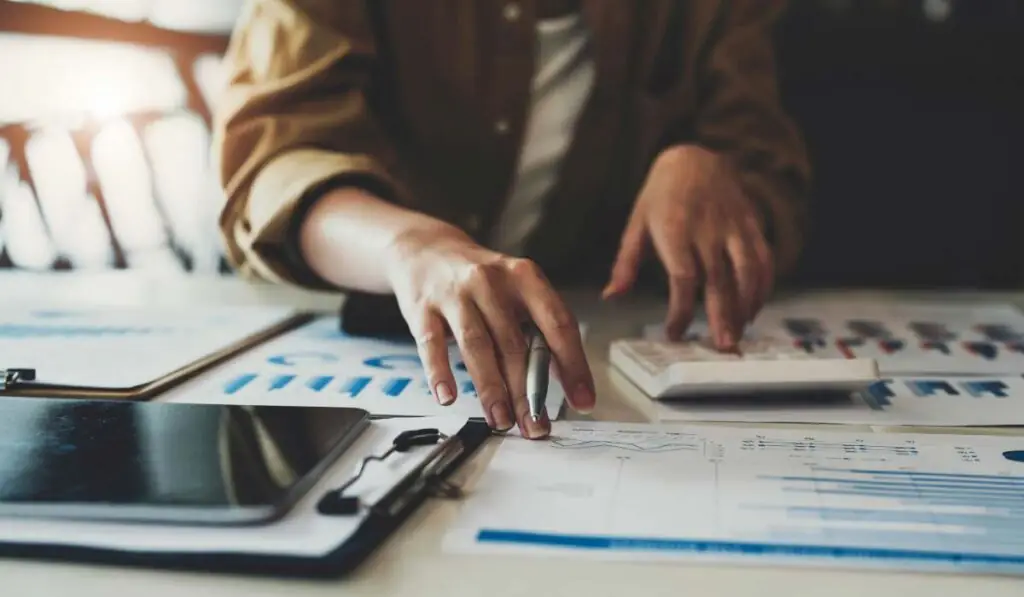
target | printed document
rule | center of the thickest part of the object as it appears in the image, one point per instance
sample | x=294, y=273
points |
x=318, y=365
x=928, y=401
x=904, y=338
x=671, y=493
x=122, y=347
x=942, y=365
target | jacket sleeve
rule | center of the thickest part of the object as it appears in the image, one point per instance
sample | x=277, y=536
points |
x=295, y=117
x=740, y=115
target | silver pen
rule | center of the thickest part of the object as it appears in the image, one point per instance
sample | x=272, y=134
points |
x=537, y=365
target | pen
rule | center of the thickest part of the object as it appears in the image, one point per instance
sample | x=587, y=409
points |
x=10, y=377
x=537, y=366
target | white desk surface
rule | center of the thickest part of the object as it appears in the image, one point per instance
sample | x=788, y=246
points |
x=412, y=563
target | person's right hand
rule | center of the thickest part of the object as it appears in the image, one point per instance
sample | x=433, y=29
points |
x=444, y=281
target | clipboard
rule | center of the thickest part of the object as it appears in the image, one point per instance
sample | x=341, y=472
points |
x=429, y=478
x=30, y=383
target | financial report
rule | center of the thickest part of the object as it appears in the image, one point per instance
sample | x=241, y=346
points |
x=904, y=338
x=120, y=347
x=619, y=491
x=942, y=364
x=318, y=365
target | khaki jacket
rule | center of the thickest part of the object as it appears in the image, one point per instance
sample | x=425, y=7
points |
x=424, y=102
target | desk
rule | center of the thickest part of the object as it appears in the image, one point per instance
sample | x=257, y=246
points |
x=412, y=563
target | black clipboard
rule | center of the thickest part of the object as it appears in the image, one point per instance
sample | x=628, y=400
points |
x=23, y=383
x=429, y=479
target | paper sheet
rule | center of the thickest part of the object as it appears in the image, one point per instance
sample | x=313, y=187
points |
x=903, y=400
x=977, y=383
x=637, y=492
x=303, y=532
x=318, y=365
x=905, y=338
x=122, y=348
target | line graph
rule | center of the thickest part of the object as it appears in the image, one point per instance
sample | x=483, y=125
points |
x=928, y=502
x=649, y=443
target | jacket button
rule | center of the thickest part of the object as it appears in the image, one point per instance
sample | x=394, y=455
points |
x=511, y=12
x=501, y=127
x=473, y=224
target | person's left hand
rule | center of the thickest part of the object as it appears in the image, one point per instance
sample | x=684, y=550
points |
x=705, y=230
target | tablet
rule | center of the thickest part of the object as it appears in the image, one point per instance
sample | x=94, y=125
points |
x=163, y=462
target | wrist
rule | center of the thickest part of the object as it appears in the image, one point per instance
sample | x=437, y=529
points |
x=417, y=236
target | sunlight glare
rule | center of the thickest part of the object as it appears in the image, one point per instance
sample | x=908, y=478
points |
x=22, y=228
x=73, y=215
x=127, y=187
x=62, y=78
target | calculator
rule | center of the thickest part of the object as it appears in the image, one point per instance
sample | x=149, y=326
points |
x=664, y=369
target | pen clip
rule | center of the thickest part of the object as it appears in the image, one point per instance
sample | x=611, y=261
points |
x=12, y=377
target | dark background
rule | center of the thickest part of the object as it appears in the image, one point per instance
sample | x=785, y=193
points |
x=915, y=127
x=912, y=110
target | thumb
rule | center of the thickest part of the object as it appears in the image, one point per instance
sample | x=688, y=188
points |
x=627, y=262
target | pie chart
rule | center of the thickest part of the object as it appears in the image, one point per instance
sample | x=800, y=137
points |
x=1014, y=455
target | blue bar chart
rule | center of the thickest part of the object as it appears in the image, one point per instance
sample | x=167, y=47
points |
x=914, y=511
x=317, y=366
x=898, y=501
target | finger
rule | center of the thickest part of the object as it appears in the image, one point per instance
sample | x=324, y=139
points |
x=511, y=346
x=432, y=346
x=477, y=347
x=746, y=274
x=628, y=260
x=561, y=332
x=766, y=265
x=677, y=257
x=719, y=301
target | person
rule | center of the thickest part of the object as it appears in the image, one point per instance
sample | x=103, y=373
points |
x=465, y=156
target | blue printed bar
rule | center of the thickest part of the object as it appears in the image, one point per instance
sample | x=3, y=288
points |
x=319, y=383
x=739, y=548
x=990, y=522
x=888, y=481
x=12, y=330
x=279, y=382
x=910, y=498
x=236, y=384
x=354, y=385
x=914, y=474
x=394, y=387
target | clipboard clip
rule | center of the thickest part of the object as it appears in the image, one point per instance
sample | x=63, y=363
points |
x=426, y=478
x=13, y=377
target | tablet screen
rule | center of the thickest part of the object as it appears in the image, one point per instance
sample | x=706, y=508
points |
x=160, y=461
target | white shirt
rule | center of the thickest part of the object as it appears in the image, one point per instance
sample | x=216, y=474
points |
x=562, y=82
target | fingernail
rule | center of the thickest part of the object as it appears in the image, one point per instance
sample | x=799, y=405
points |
x=583, y=399
x=535, y=429
x=444, y=394
x=728, y=340
x=501, y=417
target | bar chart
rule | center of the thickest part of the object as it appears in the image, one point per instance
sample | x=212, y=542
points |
x=914, y=514
x=898, y=501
